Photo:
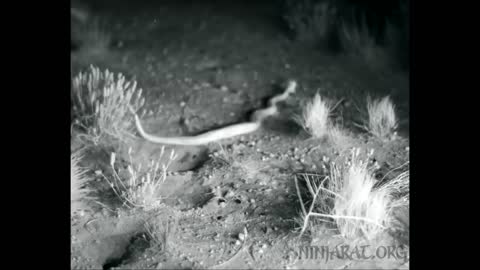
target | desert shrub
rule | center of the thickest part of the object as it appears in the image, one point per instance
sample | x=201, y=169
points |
x=100, y=105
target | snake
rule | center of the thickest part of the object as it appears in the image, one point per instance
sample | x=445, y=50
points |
x=226, y=132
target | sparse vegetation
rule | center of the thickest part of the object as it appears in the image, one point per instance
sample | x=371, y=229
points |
x=79, y=192
x=159, y=230
x=382, y=120
x=310, y=20
x=141, y=189
x=348, y=196
x=101, y=103
x=358, y=40
x=341, y=26
x=315, y=117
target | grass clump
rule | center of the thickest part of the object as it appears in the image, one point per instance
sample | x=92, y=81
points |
x=141, y=187
x=382, y=120
x=79, y=192
x=350, y=198
x=100, y=105
x=315, y=117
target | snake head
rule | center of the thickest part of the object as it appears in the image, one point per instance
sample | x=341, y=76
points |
x=292, y=86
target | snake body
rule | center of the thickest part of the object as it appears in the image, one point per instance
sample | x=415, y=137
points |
x=222, y=133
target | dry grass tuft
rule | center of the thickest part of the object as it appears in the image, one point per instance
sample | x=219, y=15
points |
x=79, y=193
x=101, y=103
x=315, y=117
x=349, y=197
x=382, y=120
x=142, y=187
